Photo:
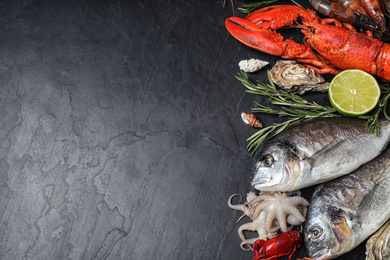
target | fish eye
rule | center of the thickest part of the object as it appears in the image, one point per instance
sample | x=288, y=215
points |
x=268, y=161
x=316, y=232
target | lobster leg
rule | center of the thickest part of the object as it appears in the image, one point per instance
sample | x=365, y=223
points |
x=293, y=251
x=290, y=253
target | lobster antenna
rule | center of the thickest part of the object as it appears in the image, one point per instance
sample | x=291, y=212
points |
x=296, y=3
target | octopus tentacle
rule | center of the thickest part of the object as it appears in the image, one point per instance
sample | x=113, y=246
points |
x=241, y=207
x=261, y=230
x=260, y=198
x=296, y=213
x=242, y=228
x=257, y=209
x=295, y=201
x=271, y=215
x=247, y=244
x=282, y=218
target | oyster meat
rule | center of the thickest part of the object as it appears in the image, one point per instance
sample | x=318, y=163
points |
x=296, y=78
x=378, y=246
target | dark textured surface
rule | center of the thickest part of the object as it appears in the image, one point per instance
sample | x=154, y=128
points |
x=121, y=135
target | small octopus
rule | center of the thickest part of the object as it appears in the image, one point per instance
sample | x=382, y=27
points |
x=270, y=213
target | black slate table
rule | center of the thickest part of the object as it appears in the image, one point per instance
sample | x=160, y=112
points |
x=121, y=135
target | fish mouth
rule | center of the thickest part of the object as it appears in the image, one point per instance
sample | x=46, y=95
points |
x=259, y=184
x=321, y=255
x=259, y=180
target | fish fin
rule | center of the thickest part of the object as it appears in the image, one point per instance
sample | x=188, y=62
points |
x=325, y=150
x=323, y=155
x=375, y=204
x=356, y=225
x=307, y=164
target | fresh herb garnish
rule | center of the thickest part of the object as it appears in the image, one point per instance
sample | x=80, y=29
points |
x=249, y=8
x=372, y=119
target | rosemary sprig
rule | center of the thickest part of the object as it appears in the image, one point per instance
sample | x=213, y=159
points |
x=293, y=106
x=372, y=119
x=278, y=96
x=249, y=8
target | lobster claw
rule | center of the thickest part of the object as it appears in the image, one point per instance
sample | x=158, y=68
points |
x=268, y=41
x=255, y=37
x=258, y=30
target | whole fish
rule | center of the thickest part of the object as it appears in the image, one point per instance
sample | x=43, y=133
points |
x=316, y=151
x=345, y=211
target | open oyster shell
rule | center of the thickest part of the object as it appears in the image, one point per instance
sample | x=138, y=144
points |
x=378, y=246
x=296, y=78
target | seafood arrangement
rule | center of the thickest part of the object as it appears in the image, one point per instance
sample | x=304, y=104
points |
x=350, y=166
x=296, y=78
x=270, y=213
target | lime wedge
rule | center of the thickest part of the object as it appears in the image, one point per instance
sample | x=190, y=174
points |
x=354, y=92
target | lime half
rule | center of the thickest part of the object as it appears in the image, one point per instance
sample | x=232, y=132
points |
x=354, y=92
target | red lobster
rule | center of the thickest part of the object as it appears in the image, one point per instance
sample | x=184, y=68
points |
x=284, y=244
x=336, y=45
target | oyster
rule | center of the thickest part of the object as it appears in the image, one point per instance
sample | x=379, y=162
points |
x=296, y=78
x=378, y=246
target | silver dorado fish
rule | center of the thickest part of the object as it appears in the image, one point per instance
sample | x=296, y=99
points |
x=317, y=151
x=345, y=211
